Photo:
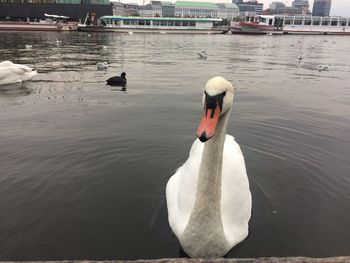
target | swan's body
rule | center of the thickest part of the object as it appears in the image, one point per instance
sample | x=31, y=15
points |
x=11, y=73
x=208, y=198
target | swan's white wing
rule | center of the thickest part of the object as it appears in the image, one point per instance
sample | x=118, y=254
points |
x=29, y=75
x=8, y=76
x=181, y=190
x=23, y=68
x=236, y=200
x=14, y=73
x=6, y=63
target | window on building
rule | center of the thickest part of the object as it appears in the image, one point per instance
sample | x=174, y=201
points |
x=177, y=23
x=184, y=23
x=148, y=23
x=192, y=23
x=170, y=23
x=156, y=23
x=334, y=23
x=126, y=22
x=163, y=23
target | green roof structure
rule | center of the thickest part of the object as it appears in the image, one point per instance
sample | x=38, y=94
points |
x=227, y=5
x=166, y=3
x=195, y=4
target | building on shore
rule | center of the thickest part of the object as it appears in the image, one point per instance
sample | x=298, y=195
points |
x=195, y=9
x=303, y=5
x=321, y=7
x=168, y=9
x=36, y=9
x=276, y=6
x=252, y=6
x=227, y=11
x=299, y=7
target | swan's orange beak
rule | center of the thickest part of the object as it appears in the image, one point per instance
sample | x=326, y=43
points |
x=208, y=123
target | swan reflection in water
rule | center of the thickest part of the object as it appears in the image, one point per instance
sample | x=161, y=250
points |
x=14, y=90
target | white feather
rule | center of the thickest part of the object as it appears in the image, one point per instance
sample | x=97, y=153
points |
x=11, y=73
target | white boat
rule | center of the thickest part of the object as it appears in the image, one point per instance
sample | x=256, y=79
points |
x=253, y=25
x=161, y=25
x=314, y=25
x=292, y=25
x=51, y=23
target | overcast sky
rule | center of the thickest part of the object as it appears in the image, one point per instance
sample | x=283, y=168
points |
x=339, y=7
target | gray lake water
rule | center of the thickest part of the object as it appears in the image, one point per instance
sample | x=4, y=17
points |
x=83, y=166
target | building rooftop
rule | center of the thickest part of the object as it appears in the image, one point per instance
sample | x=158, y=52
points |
x=227, y=5
x=166, y=3
x=195, y=4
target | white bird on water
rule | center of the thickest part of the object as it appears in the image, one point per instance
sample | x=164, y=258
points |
x=28, y=46
x=11, y=73
x=300, y=57
x=58, y=42
x=208, y=198
x=102, y=65
x=323, y=67
x=203, y=54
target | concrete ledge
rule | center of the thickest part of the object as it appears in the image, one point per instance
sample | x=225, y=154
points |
x=221, y=260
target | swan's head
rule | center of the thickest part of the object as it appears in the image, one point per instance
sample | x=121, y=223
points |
x=217, y=100
x=123, y=75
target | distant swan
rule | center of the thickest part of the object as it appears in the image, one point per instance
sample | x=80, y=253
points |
x=117, y=81
x=11, y=73
x=208, y=198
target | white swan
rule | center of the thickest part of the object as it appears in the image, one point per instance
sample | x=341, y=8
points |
x=208, y=198
x=11, y=73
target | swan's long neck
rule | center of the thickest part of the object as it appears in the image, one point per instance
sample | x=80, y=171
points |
x=205, y=224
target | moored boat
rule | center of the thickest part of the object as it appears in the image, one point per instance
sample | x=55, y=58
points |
x=255, y=25
x=292, y=25
x=51, y=23
x=161, y=25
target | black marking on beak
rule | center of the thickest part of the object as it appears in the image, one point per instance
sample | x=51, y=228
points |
x=203, y=137
x=212, y=101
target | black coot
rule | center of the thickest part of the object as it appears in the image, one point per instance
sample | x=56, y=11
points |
x=117, y=81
